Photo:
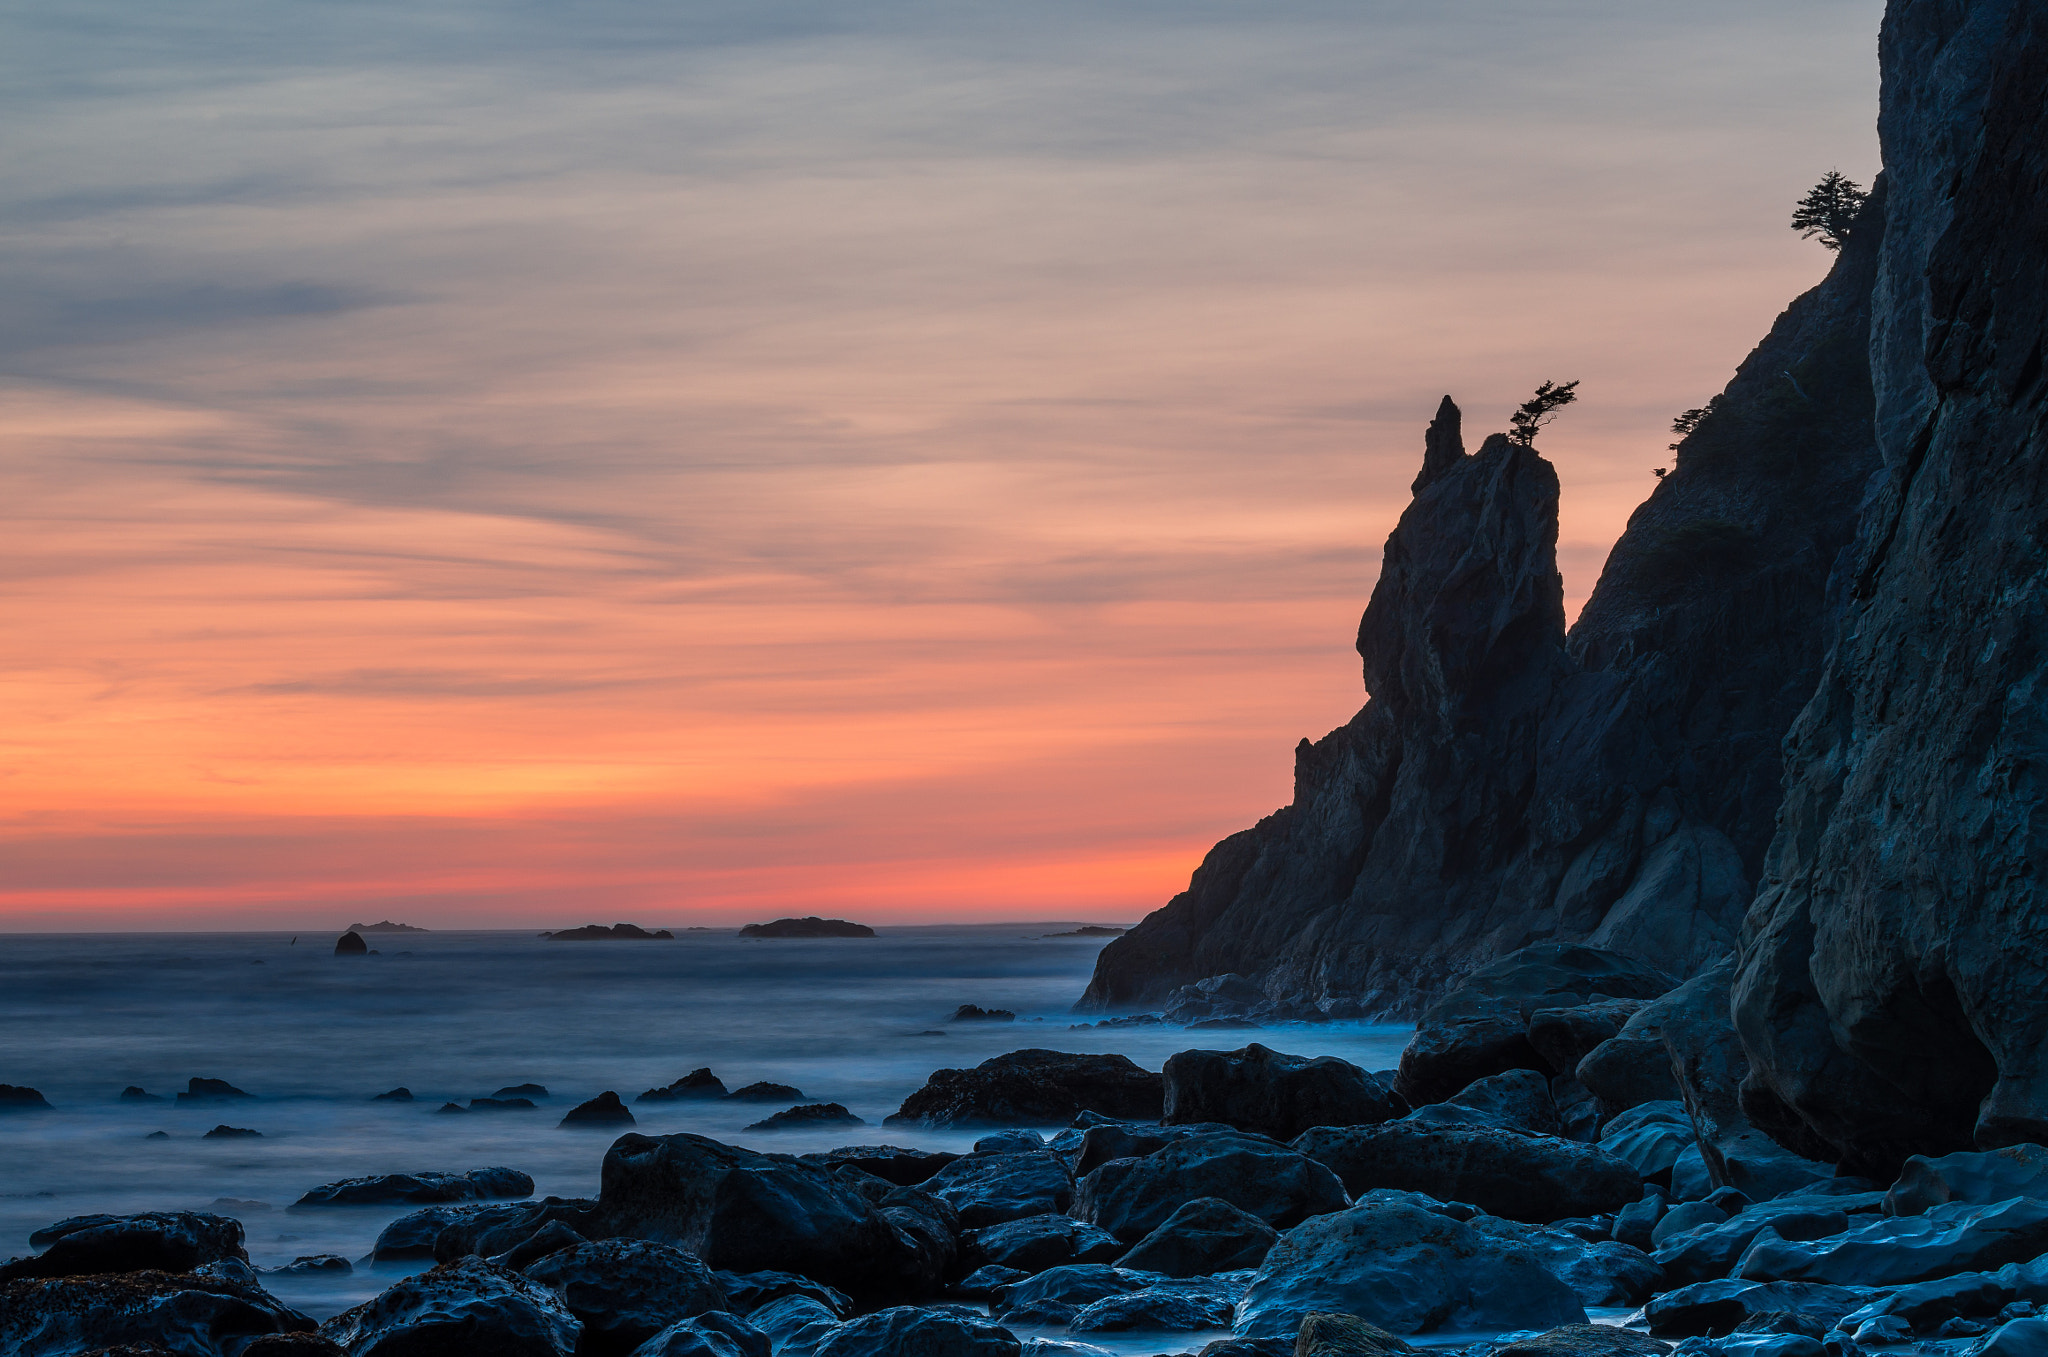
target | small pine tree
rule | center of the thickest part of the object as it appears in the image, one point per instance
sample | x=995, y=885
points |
x=1688, y=420
x=1829, y=209
x=1539, y=410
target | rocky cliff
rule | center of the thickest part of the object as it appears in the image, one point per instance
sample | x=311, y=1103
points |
x=1508, y=783
x=1896, y=958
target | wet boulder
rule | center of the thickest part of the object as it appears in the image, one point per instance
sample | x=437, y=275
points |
x=806, y=1117
x=468, y=1308
x=713, y=1335
x=422, y=1189
x=1893, y=1251
x=1035, y=1243
x=764, y=1092
x=794, y=1324
x=905, y=1168
x=988, y=1189
x=624, y=1291
x=1565, y=1036
x=1034, y=1088
x=1013, y=1141
x=151, y=1310
x=1481, y=1026
x=502, y=1230
x=551, y=1238
x=744, y=1212
x=1528, y=1178
x=1717, y=1307
x=603, y=1112
x=413, y=1234
x=1518, y=1100
x=1651, y=1137
x=1130, y=1198
x=164, y=1241
x=1203, y=1236
x=1599, y=1272
x=749, y=1291
x=1343, y=1336
x=1055, y=1296
x=1272, y=1093
x=907, y=1331
x=1584, y=1340
x=1169, y=1309
x=2017, y=1338
x=1978, y=1178
x=1714, y=1244
x=1404, y=1269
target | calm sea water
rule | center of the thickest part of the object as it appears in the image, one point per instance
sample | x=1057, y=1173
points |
x=454, y=1016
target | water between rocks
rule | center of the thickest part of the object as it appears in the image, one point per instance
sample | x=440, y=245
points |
x=459, y=1015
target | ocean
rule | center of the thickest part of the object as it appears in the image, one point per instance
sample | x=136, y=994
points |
x=459, y=1015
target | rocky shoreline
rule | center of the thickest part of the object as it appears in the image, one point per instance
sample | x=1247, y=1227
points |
x=1548, y=1150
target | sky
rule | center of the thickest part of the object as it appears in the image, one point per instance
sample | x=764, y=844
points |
x=521, y=463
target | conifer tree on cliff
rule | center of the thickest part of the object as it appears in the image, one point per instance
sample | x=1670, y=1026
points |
x=1539, y=410
x=1829, y=209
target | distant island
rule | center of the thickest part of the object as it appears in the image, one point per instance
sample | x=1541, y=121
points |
x=593, y=932
x=385, y=927
x=812, y=927
x=1089, y=931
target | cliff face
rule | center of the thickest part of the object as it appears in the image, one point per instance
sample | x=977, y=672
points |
x=1894, y=962
x=1508, y=784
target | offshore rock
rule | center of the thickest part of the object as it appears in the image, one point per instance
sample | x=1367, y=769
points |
x=420, y=1188
x=1896, y=956
x=698, y=1083
x=162, y=1241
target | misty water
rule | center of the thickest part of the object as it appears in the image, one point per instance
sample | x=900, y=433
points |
x=459, y=1015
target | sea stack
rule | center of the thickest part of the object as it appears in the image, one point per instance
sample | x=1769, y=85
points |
x=351, y=944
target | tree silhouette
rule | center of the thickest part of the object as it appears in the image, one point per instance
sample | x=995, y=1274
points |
x=1829, y=209
x=1539, y=410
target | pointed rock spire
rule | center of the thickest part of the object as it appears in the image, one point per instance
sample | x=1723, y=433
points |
x=1443, y=446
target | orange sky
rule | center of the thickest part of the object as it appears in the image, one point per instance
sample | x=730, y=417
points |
x=922, y=465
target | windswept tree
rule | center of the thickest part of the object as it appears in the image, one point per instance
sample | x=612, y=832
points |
x=1539, y=410
x=1829, y=209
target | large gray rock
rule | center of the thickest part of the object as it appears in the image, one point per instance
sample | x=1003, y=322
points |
x=624, y=1291
x=166, y=1241
x=1130, y=1198
x=745, y=1212
x=988, y=1189
x=1274, y=1094
x=910, y=1332
x=1406, y=1270
x=1517, y=1101
x=1893, y=1251
x=1034, y=1088
x=468, y=1308
x=420, y=1188
x=202, y=1313
x=1978, y=1178
x=1204, y=1236
x=1896, y=957
x=1528, y=1178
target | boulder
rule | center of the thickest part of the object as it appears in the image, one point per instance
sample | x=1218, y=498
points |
x=1717, y=1307
x=1012, y=1141
x=1893, y=1251
x=1565, y=1036
x=2019, y=1338
x=549, y=1239
x=600, y=1113
x=988, y=1189
x=1529, y=1178
x=624, y=1291
x=905, y=1168
x=749, y=1291
x=1925, y=1306
x=1130, y=1198
x=1979, y=1178
x=1056, y=1295
x=386, y=1189
x=351, y=944
x=1204, y=1236
x=1274, y=1094
x=1650, y=1137
x=468, y=1308
x=500, y=1231
x=697, y=1085
x=1155, y=1308
x=1518, y=1100
x=1119, y=1140
x=151, y=1310
x=401, y=1094
x=988, y=1279
x=1689, y=1216
x=413, y=1234
x=162, y=1241
x=1599, y=1272
x=742, y=1211
x=794, y=1325
x=765, y=1092
x=1636, y=1223
x=1482, y=1026
x=1344, y=1336
x=714, y=1335
x=312, y=1265
x=226, y=1132
x=210, y=1091
x=910, y=1332
x=807, y=1116
x=1034, y=1088
x=1404, y=1269
x=1630, y=1068
x=975, y=1013
x=1584, y=1340
x=21, y=1098
x=1034, y=1243
x=1712, y=1247
x=1578, y=1112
